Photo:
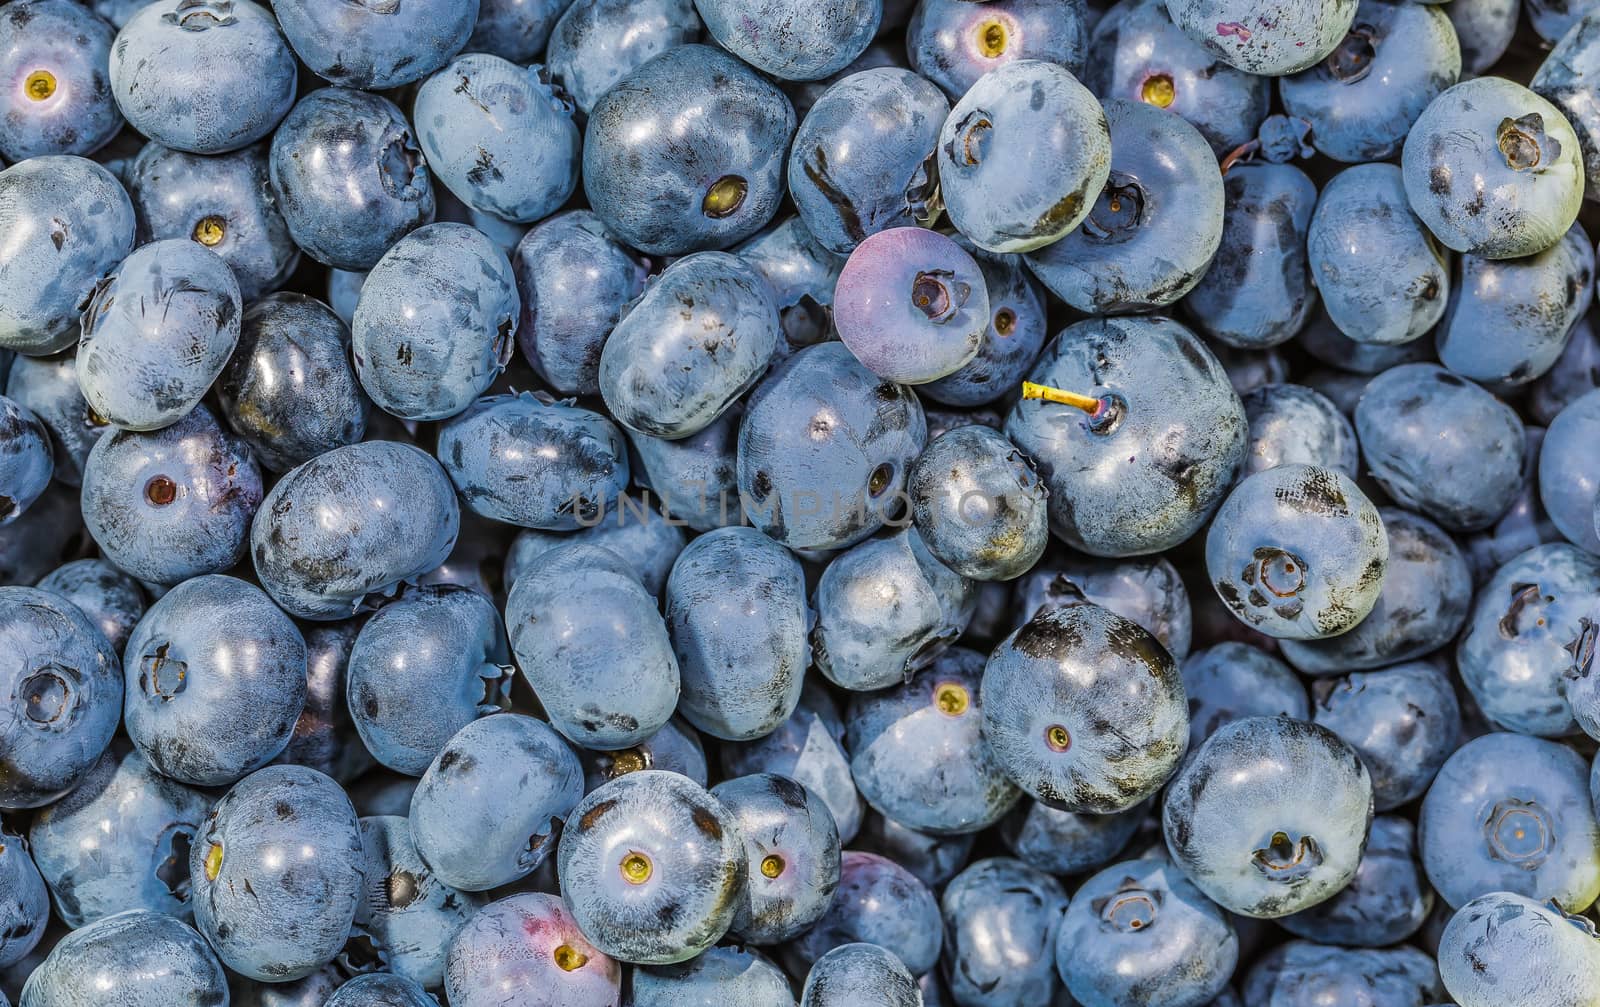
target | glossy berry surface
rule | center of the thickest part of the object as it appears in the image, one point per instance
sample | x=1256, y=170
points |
x=1483, y=134
x=911, y=305
x=1084, y=710
x=63, y=685
x=463, y=832
x=652, y=868
x=1488, y=827
x=1241, y=826
x=1318, y=572
x=435, y=323
x=1032, y=112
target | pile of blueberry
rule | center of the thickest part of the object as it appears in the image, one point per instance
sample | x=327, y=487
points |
x=848, y=503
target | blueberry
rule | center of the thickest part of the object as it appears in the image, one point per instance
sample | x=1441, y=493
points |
x=1269, y=38
x=1489, y=137
x=277, y=872
x=721, y=177
x=953, y=43
x=376, y=44
x=1231, y=681
x=1155, y=228
x=1030, y=112
x=1508, y=813
x=499, y=136
x=1504, y=948
x=1084, y=710
x=527, y=942
x=406, y=909
x=978, y=504
x=173, y=503
x=652, y=868
x=1508, y=321
x=423, y=668
x=718, y=975
x=224, y=202
x=696, y=340
x=64, y=688
x=911, y=305
x=137, y=959
x=348, y=177
x=289, y=389
x=435, y=322
x=492, y=801
x=1385, y=903
x=791, y=849
x=216, y=678
x=57, y=98
x=1246, y=825
x=1382, y=278
x=878, y=902
x=1140, y=932
x=596, y=42
x=1298, y=552
x=737, y=612
x=27, y=908
x=1259, y=289
x=352, y=524
x=1362, y=100
x=1160, y=450
x=203, y=76
x=824, y=449
x=1300, y=973
x=917, y=755
x=885, y=609
x=1440, y=445
x=853, y=171
x=530, y=461
x=572, y=622
x=575, y=281
x=156, y=334
x=119, y=841
x=1524, y=631
x=1002, y=917
x=809, y=749
x=74, y=225
x=1143, y=56
x=860, y=975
